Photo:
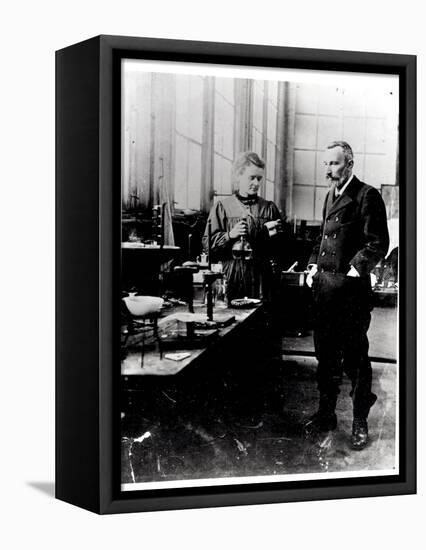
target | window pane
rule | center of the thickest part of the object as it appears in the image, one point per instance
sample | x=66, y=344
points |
x=257, y=142
x=194, y=176
x=195, y=108
x=224, y=127
x=270, y=161
x=222, y=175
x=273, y=92
x=188, y=139
x=304, y=167
x=258, y=96
x=269, y=191
x=272, y=123
x=225, y=87
x=181, y=163
x=182, y=104
x=303, y=202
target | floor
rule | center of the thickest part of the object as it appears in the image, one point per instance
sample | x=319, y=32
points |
x=171, y=432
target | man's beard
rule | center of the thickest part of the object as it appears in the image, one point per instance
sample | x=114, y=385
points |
x=339, y=182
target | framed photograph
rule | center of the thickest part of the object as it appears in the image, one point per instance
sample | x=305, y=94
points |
x=235, y=274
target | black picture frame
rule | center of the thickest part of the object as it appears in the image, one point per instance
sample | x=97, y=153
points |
x=88, y=263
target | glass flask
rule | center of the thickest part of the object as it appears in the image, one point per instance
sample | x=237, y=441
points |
x=242, y=250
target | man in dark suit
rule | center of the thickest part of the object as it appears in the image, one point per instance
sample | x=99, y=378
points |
x=354, y=238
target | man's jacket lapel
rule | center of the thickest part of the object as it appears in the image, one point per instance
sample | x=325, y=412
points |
x=345, y=199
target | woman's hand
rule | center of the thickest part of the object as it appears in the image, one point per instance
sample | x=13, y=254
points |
x=239, y=230
x=274, y=227
x=278, y=225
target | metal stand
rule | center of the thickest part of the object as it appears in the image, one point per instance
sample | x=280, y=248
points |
x=209, y=278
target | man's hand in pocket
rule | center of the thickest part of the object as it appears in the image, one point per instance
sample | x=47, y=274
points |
x=312, y=269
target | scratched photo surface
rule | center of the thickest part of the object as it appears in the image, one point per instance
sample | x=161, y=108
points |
x=219, y=367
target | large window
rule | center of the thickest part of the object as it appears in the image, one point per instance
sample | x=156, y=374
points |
x=181, y=134
x=364, y=119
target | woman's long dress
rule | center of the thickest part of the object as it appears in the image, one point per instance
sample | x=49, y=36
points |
x=251, y=278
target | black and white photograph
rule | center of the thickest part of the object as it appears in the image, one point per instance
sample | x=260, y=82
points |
x=259, y=312
x=213, y=288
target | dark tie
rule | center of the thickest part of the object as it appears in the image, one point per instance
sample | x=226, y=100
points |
x=334, y=191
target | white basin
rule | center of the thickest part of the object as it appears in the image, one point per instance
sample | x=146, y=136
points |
x=143, y=305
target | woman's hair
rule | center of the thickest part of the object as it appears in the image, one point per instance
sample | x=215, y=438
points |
x=245, y=159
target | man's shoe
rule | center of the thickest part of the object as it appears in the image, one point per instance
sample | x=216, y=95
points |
x=318, y=423
x=359, y=438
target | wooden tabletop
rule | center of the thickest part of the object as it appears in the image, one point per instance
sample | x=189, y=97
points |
x=153, y=365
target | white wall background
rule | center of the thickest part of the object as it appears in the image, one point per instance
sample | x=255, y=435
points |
x=30, y=32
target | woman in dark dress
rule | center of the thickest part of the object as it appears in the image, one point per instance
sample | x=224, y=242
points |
x=245, y=214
